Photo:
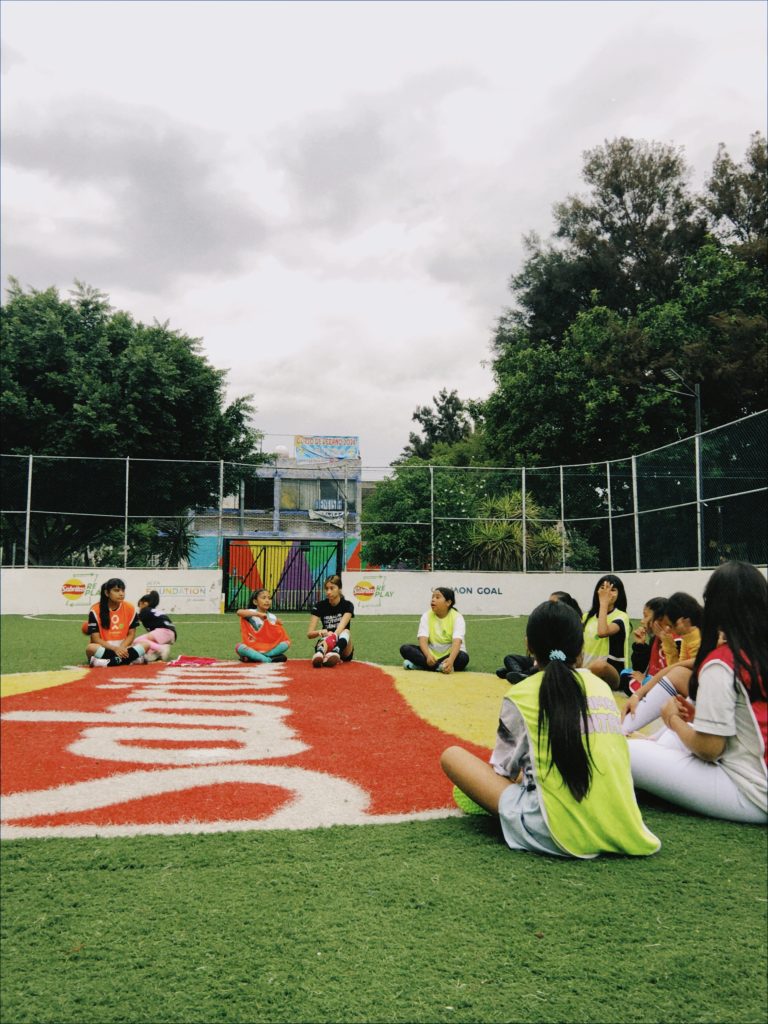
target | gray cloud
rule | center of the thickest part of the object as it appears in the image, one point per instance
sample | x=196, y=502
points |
x=173, y=212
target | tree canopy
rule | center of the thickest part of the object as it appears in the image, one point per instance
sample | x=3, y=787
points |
x=82, y=379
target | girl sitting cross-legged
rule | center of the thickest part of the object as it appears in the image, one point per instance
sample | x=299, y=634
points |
x=559, y=777
x=263, y=635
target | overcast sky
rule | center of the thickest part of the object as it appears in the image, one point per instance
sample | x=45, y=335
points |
x=332, y=196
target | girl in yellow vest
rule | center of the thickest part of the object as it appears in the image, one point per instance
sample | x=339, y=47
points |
x=440, y=637
x=559, y=777
x=607, y=631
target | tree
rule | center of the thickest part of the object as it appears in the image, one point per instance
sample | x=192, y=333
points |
x=626, y=239
x=632, y=286
x=736, y=199
x=448, y=423
x=81, y=379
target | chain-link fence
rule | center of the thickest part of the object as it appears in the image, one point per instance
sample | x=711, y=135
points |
x=693, y=503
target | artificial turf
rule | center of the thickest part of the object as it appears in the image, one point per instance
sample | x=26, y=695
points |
x=429, y=921
x=421, y=921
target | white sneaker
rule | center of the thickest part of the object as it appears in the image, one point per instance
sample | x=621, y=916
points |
x=165, y=652
x=151, y=656
x=98, y=662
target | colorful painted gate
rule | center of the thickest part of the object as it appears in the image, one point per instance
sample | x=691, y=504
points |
x=292, y=570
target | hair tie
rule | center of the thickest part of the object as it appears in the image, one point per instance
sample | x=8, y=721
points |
x=556, y=656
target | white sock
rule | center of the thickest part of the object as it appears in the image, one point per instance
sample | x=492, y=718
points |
x=649, y=708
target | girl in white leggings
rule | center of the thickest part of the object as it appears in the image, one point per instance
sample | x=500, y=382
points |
x=711, y=756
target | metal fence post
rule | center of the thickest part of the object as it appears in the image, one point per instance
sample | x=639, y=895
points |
x=635, y=513
x=432, y=518
x=220, y=532
x=562, y=513
x=125, y=528
x=525, y=530
x=610, y=512
x=699, y=496
x=29, y=514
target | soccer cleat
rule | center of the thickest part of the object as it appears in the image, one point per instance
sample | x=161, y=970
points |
x=408, y=664
x=317, y=659
x=331, y=659
x=98, y=663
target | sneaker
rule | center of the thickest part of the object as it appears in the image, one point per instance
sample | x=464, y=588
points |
x=278, y=657
x=165, y=652
x=317, y=659
x=98, y=663
x=331, y=659
x=408, y=664
x=625, y=682
x=151, y=656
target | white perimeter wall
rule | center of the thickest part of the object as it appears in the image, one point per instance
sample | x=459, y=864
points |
x=47, y=591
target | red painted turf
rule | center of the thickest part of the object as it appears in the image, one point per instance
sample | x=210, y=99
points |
x=355, y=724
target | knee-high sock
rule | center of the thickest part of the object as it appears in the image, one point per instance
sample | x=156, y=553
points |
x=649, y=708
x=280, y=648
x=250, y=654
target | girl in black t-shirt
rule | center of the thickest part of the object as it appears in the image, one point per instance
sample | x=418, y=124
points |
x=329, y=625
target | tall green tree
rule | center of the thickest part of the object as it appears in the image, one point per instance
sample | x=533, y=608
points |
x=736, y=198
x=447, y=422
x=625, y=239
x=84, y=380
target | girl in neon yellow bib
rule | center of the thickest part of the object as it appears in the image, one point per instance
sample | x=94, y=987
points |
x=559, y=777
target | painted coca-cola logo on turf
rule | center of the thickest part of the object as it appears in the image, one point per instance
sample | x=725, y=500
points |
x=223, y=747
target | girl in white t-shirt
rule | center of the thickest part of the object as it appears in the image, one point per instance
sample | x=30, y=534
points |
x=711, y=756
x=440, y=637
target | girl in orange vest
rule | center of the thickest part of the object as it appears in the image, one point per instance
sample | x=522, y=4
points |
x=112, y=626
x=263, y=636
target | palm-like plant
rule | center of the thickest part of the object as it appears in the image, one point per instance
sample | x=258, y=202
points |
x=496, y=536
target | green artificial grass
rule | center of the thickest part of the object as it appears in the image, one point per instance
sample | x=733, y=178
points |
x=51, y=641
x=422, y=922
x=430, y=921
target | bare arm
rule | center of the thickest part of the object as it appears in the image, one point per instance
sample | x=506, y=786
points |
x=703, y=744
x=315, y=629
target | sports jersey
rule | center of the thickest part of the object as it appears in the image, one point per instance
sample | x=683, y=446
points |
x=155, y=618
x=689, y=646
x=607, y=819
x=122, y=620
x=331, y=614
x=616, y=647
x=441, y=633
x=266, y=637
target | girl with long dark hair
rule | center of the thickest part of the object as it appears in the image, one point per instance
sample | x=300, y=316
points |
x=607, y=631
x=111, y=625
x=711, y=757
x=559, y=777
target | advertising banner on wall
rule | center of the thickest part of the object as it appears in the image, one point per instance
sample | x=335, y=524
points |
x=324, y=448
x=47, y=591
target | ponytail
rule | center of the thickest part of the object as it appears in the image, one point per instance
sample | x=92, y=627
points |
x=555, y=637
x=152, y=599
x=563, y=711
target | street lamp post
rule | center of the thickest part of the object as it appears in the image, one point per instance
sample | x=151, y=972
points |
x=694, y=393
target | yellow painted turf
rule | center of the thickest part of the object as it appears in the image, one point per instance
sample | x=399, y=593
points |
x=26, y=682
